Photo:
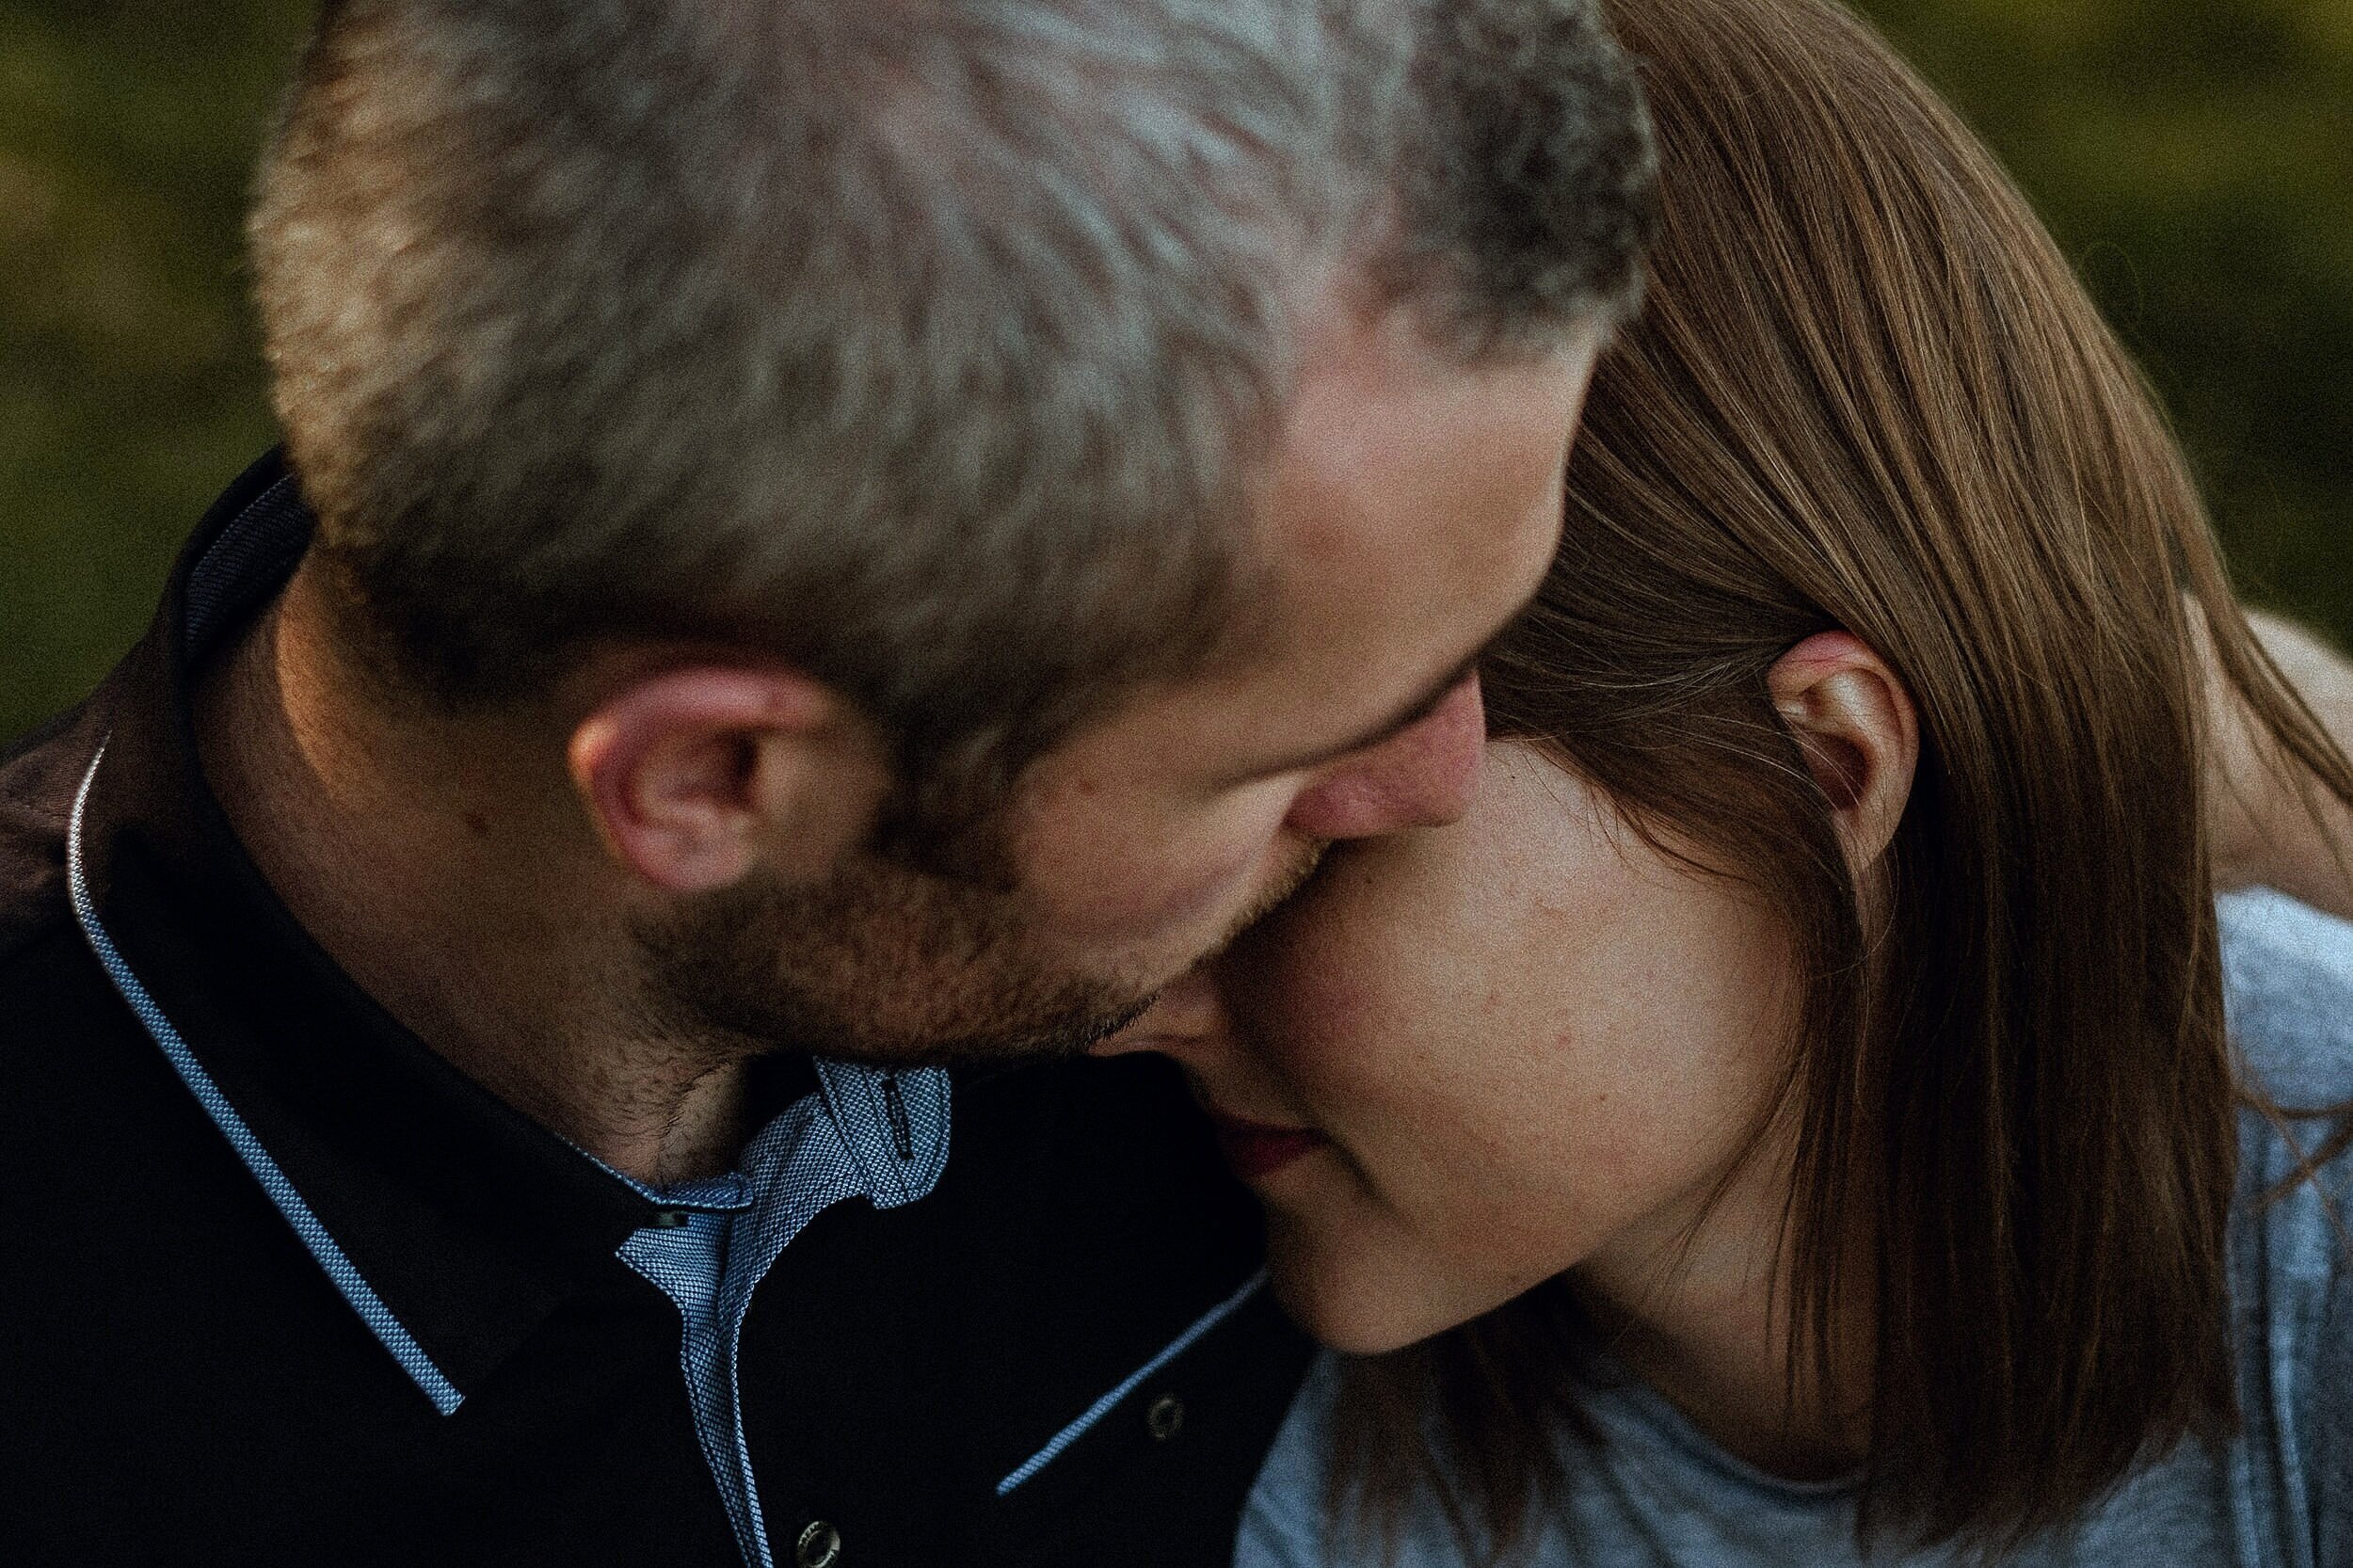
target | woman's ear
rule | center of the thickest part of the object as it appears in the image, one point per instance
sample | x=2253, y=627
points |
x=1855, y=723
x=696, y=777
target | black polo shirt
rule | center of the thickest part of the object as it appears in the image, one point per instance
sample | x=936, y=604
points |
x=284, y=1287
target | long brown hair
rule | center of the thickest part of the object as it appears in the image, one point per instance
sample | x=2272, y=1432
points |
x=1868, y=393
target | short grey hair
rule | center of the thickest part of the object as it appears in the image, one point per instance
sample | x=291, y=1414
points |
x=930, y=344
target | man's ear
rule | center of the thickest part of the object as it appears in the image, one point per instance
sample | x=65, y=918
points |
x=697, y=776
x=1854, y=721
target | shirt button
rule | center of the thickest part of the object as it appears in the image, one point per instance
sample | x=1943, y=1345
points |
x=1166, y=1417
x=819, y=1546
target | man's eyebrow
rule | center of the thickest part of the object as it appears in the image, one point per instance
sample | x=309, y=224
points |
x=1424, y=703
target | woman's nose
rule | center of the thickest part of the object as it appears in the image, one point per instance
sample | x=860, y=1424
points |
x=1187, y=1020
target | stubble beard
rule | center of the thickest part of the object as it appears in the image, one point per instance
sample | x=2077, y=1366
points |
x=878, y=965
x=889, y=966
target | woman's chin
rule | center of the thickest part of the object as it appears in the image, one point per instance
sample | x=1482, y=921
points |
x=1349, y=1302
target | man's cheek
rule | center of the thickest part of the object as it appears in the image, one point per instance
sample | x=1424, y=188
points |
x=1125, y=893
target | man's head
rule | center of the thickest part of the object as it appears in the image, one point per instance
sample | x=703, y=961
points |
x=994, y=484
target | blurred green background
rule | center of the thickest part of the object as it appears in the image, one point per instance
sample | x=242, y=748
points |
x=2194, y=157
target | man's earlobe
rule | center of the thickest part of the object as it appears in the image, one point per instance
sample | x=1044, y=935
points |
x=1855, y=726
x=696, y=777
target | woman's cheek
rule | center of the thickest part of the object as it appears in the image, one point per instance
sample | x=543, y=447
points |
x=1354, y=1012
x=1311, y=993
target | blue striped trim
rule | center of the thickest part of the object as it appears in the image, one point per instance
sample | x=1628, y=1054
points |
x=1102, y=1407
x=344, y=1274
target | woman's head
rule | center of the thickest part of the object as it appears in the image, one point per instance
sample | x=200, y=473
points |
x=1528, y=1044
x=1973, y=1078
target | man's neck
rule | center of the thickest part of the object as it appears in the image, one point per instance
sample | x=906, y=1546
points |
x=440, y=862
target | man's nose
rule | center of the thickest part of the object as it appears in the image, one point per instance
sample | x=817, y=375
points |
x=1422, y=777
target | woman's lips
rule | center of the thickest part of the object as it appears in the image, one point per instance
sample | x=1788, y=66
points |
x=1257, y=1149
